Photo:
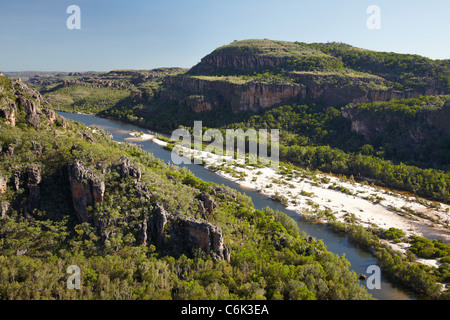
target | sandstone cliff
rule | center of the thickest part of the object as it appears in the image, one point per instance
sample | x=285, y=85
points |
x=213, y=62
x=87, y=189
x=238, y=97
x=258, y=74
x=203, y=94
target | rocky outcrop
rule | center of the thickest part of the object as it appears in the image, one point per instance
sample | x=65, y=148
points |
x=32, y=111
x=195, y=234
x=202, y=235
x=360, y=125
x=142, y=233
x=34, y=190
x=252, y=75
x=4, y=207
x=2, y=185
x=213, y=63
x=128, y=169
x=16, y=179
x=339, y=89
x=185, y=232
x=206, y=203
x=203, y=95
x=143, y=191
x=19, y=97
x=199, y=103
x=87, y=135
x=50, y=114
x=87, y=189
x=8, y=111
x=159, y=220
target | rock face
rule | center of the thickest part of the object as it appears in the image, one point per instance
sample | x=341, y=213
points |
x=34, y=191
x=87, y=189
x=158, y=223
x=206, y=202
x=224, y=79
x=202, y=235
x=50, y=114
x=20, y=97
x=9, y=112
x=424, y=125
x=186, y=233
x=201, y=94
x=32, y=112
x=2, y=185
x=128, y=169
x=142, y=234
x=16, y=180
x=239, y=62
x=4, y=206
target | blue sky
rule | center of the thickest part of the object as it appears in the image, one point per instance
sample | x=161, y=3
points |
x=138, y=34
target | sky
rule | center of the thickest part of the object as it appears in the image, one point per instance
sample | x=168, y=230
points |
x=147, y=34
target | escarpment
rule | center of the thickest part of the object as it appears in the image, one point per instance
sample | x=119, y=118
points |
x=256, y=74
x=213, y=63
x=209, y=93
x=422, y=125
x=253, y=75
x=204, y=95
x=408, y=129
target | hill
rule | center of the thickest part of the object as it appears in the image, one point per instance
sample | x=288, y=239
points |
x=137, y=228
x=306, y=90
x=252, y=75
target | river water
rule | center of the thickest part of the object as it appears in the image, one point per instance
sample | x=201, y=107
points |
x=337, y=243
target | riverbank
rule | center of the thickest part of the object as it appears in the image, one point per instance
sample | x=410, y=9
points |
x=348, y=201
x=318, y=196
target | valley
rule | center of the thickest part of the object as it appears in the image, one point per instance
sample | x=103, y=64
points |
x=364, y=150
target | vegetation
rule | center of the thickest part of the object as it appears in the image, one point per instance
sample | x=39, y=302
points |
x=76, y=98
x=430, y=249
x=403, y=70
x=403, y=269
x=320, y=139
x=270, y=258
x=406, y=152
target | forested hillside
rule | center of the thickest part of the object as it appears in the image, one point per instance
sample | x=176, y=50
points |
x=137, y=228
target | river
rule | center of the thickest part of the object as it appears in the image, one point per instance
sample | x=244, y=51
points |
x=337, y=243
